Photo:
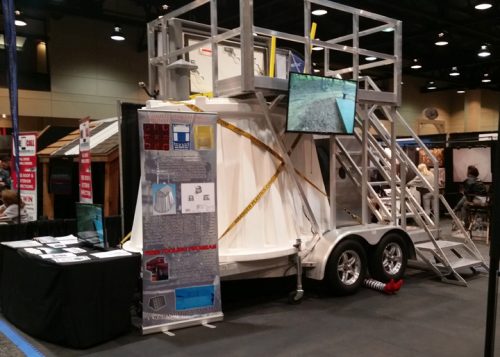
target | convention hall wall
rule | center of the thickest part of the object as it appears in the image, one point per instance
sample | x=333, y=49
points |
x=89, y=73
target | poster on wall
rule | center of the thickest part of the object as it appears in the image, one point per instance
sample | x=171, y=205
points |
x=85, y=170
x=438, y=153
x=27, y=183
x=479, y=157
x=181, y=283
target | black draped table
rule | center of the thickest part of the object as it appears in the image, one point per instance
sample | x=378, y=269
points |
x=77, y=304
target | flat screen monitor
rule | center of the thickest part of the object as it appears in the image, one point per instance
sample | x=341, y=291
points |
x=320, y=105
x=90, y=223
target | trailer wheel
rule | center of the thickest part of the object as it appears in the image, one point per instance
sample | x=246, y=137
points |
x=346, y=268
x=389, y=259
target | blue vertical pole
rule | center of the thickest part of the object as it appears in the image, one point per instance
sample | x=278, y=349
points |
x=10, y=45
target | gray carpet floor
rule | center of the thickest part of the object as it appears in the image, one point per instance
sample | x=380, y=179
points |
x=426, y=318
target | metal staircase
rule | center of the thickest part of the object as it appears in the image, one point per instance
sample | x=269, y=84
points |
x=444, y=257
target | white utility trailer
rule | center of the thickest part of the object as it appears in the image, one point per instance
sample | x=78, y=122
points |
x=275, y=216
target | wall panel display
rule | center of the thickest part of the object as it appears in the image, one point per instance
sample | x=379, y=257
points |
x=181, y=284
x=479, y=157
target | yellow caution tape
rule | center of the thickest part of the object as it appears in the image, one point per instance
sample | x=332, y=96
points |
x=257, y=198
x=309, y=182
x=252, y=138
x=263, y=146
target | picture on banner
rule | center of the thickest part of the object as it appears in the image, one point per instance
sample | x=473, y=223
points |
x=197, y=197
x=182, y=136
x=156, y=137
x=163, y=199
x=203, y=137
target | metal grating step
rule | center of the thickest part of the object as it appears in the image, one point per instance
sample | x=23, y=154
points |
x=462, y=263
x=443, y=244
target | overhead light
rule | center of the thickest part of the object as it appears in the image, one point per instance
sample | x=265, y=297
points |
x=19, y=21
x=117, y=34
x=317, y=48
x=19, y=42
x=388, y=29
x=486, y=78
x=431, y=85
x=460, y=91
x=416, y=64
x=484, y=51
x=316, y=70
x=371, y=58
x=319, y=12
x=482, y=4
x=454, y=72
x=441, y=39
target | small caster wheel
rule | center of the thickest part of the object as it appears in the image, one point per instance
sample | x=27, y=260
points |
x=296, y=297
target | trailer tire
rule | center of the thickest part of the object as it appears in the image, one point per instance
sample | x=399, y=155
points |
x=389, y=259
x=346, y=268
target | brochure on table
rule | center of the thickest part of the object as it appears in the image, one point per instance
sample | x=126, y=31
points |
x=68, y=249
x=181, y=284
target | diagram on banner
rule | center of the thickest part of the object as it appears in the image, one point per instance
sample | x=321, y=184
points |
x=157, y=302
x=182, y=136
x=164, y=199
x=198, y=197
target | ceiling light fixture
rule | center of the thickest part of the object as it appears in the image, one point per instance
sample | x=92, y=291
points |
x=441, y=40
x=316, y=70
x=416, y=64
x=370, y=58
x=117, y=34
x=19, y=21
x=484, y=51
x=460, y=91
x=431, y=85
x=482, y=5
x=388, y=29
x=20, y=40
x=317, y=48
x=319, y=12
x=454, y=72
x=486, y=78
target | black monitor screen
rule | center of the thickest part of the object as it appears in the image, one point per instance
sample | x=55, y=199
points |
x=320, y=105
x=90, y=223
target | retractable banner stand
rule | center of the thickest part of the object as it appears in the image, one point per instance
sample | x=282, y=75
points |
x=85, y=173
x=27, y=183
x=181, y=283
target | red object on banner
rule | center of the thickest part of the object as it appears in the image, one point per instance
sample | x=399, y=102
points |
x=85, y=162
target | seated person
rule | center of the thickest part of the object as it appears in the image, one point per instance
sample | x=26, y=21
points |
x=474, y=191
x=9, y=210
x=426, y=194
